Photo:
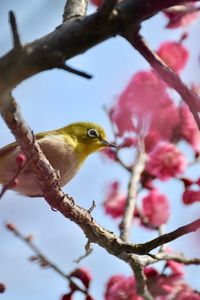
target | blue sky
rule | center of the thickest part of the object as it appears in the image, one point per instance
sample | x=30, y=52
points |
x=53, y=99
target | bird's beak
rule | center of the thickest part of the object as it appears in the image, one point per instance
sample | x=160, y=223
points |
x=108, y=144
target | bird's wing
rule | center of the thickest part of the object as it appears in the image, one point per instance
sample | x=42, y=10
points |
x=10, y=147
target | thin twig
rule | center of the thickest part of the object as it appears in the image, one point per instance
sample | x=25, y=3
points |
x=171, y=256
x=75, y=9
x=92, y=207
x=75, y=71
x=137, y=169
x=41, y=256
x=88, y=251
x=117, y=156
x=15, y=34
x=167, y=74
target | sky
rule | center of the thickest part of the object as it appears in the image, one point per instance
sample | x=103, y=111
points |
x=53, y=99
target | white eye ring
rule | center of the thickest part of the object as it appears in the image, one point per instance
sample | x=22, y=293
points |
x=93, y=133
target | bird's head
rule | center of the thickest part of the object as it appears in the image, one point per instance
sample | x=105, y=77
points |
x=89, y=137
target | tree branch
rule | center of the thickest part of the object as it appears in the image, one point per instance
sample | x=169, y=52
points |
x=140, y=277
x=73, y=38
x=132, y=192
x=168, y=237
x=106, y=8
x=167, y=74
x=75, y=9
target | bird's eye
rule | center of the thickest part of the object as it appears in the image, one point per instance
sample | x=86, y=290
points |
x=93, y=133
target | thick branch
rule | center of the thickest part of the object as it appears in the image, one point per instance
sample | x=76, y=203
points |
x=132, y=192
x=106, y=8
x=75, y=9
x=73, y=38
x=167, y=74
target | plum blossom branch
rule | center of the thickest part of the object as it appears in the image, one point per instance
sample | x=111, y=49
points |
x=41, y=257
x=166, y=73
x=168, y=237
x=137, y=170
x=73, y=38
x=75, y=9
x=138, y=270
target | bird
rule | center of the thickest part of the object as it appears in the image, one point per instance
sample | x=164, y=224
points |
x=66, y=149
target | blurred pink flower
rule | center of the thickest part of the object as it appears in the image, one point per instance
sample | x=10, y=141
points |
x=166, y=161
x=176, y=267
x=186, y=293
x=190, y=196
x=155, y=208
x=174, y=54
x=181, y=15
x=96, y=2
x=124, y=288
x=123, y=119
x=83, y=275
x=188, y=127
x=115, y=201
x=109, y=153
x=160, y=128
x=145, y=93
x=121, y=288
x=161, y=285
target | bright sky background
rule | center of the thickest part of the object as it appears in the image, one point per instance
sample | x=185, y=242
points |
x=51, y=100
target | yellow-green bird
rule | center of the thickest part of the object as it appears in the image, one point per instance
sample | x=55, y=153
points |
x=65, y=148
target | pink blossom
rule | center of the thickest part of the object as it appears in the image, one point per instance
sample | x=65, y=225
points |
x=122, y=288
x=176, y=267
x=96, y=2
x=128, y=142
x=115, y=201
x=160, y=128
x=155, y=208
x=188, y=127
x=166, y=161
x=161, y=285
x=181, y=15
x=190, y=196
x=109, y=153
x=123, y=119
x=186, y=293
x=174, y=54
x=83, y=275
x=145, y=93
